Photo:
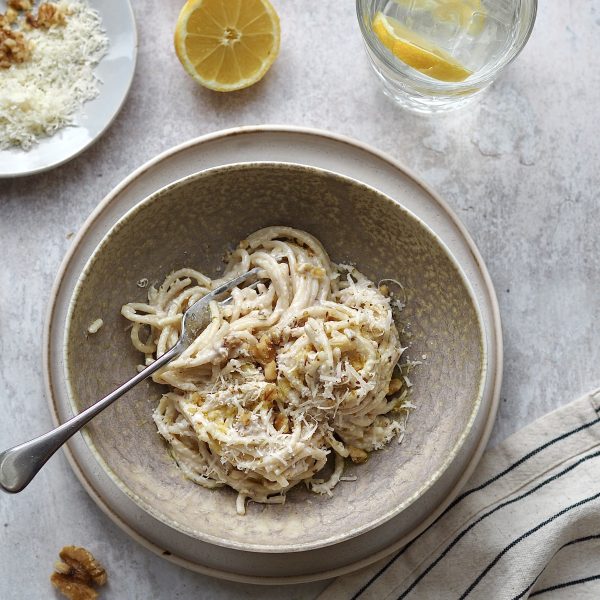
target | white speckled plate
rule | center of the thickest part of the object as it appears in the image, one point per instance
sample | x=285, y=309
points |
x=333, y=153
x=115, y=71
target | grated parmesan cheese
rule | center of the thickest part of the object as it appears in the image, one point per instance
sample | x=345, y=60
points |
x=40, y=96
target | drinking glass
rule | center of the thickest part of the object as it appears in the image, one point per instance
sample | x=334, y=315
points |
x=457, y=47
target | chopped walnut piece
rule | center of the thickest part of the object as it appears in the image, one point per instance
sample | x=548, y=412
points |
x=270, y=393
x=356, y=360
x=11, y=16
x=77, y=573
x=384, y=290
x=48, y=16
x=271, y=371
x=6, y=20
x=357, y=455
x=264, y=351
x=282, y=423
x=395, y=386
x=20, y=4
x=30, y=21
x=318, y=272
x=14, y=48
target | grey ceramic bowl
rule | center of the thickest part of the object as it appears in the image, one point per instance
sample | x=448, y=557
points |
x=193, y=222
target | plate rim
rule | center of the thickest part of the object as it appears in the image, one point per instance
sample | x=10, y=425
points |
x=72, y=155
x=488, y=289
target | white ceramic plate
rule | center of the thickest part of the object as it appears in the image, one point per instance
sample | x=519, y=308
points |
x=115, y=71
x=300, y=146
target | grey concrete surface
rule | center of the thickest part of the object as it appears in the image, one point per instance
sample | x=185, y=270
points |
x=521, y=169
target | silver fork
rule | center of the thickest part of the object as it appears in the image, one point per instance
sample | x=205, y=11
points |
x=20, y=464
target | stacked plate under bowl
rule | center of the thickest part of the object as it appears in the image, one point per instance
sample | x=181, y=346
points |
x=191, y=204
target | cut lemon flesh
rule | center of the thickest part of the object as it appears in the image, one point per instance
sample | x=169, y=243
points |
x=227, y=45
x=416, y=51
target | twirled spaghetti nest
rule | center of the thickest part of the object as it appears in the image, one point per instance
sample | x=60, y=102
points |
x=285, y=374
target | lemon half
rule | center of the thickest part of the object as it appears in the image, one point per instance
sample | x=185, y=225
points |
x=227, y=45
x=417, y=52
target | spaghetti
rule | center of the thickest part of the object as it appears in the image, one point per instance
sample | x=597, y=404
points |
x=286, y=374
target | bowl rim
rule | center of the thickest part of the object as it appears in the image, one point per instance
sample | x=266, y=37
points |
x=272, y=548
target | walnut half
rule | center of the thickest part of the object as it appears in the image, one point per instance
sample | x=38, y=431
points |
x=76, y=574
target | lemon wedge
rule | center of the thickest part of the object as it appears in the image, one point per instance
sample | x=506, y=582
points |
x=417, y=52
x=227, y=45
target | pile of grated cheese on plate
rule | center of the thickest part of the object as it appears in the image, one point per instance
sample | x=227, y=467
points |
x=41, y=95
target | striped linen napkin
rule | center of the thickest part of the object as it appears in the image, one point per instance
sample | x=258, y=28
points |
x=527, y=524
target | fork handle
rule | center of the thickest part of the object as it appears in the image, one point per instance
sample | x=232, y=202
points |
x=20, y=464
